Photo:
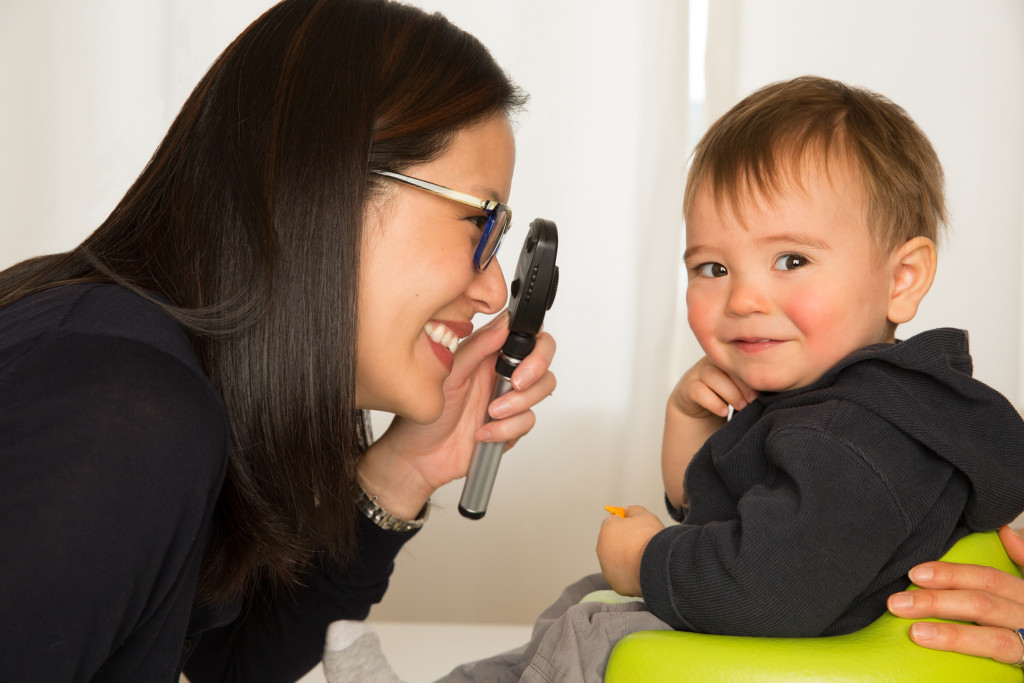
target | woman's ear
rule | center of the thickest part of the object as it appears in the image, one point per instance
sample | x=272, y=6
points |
x=913, y=270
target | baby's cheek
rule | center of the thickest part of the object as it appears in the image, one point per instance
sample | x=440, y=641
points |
x=806, y=310
x=700, y=316
x=823, y=322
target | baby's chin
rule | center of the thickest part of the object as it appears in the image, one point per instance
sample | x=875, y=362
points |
x=778, y=385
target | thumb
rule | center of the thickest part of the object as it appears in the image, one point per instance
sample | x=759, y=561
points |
x=634, y=510
x=482, y=343
x=1014, y=544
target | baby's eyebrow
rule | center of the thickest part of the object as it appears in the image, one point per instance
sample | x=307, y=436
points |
x=696, y=249
x=796, y=238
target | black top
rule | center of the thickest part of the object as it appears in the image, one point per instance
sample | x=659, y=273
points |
x=113, y=448
x=809, y=507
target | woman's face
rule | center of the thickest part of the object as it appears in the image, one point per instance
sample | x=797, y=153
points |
x=417, y=277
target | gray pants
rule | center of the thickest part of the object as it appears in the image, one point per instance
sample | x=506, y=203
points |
x=570, y=641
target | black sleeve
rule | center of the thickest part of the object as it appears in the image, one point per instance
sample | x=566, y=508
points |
x=111, y=460
x=805, y=544
x=280, y=634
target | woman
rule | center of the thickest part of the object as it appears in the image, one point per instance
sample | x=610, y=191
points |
x=186, y=475
x=992, y=599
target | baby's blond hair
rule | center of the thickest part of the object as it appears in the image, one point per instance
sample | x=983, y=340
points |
x=761, y=143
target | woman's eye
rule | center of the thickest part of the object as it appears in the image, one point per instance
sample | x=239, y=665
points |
x=790, y=262
x=478, y=221
x=712, y=270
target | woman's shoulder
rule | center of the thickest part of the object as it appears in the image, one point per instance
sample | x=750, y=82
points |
x=98, y=400
x=107, y=369
x=103, y=311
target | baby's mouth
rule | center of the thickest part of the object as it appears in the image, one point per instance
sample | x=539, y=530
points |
x=442, y=335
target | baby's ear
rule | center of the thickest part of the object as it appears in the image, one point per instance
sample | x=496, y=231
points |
x=913, y=270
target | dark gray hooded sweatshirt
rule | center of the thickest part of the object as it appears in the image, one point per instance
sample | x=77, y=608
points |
x=809, y=507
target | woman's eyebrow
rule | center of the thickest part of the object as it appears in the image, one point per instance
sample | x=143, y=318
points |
x=487, y=193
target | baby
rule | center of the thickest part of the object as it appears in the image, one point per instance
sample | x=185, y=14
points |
x=812, y=212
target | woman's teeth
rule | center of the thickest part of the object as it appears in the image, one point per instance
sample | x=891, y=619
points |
x=440, y=334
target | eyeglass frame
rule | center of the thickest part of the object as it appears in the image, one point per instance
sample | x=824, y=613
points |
x=491, y=207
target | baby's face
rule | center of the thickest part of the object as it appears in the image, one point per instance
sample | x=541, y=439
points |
x=780, y=293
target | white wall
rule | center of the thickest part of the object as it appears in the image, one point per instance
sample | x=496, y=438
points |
x=601, y=149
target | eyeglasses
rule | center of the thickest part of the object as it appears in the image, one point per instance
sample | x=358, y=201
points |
x=499, y=216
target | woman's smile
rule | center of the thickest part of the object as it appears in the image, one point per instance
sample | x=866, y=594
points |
x=444, y=338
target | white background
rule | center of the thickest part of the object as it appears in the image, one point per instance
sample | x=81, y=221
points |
x=90, y=88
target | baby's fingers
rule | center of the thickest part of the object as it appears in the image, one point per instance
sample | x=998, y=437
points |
x=703, y=396
x=715, y=391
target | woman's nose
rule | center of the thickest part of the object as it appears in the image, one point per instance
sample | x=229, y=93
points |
x=488, y=289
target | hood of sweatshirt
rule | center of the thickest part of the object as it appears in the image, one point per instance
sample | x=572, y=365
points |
x=924, y=387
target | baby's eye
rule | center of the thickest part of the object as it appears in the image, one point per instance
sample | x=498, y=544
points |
x=790, y=262
x=712, y=269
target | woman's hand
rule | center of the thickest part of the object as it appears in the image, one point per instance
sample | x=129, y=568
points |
x=620, y=547
x=410, y=461
x=992, y=599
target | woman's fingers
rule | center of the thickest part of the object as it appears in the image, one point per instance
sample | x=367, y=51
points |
x=947, y=580
x=474, y=349
x=1013, y=544
x=519, y=401
x=978, y=606
x=511, y=414
x=509, y=430
x=999, y=644
x=993, y=600
x=535, y=365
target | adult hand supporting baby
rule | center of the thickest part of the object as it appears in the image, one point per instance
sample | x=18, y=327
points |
x=621, y=544
x=992, y=599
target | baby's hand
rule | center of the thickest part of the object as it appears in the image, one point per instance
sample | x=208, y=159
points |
x=706, y=390
x=621, y=544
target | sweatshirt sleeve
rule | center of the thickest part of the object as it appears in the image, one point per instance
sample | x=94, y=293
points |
x=112, y=456
x=806, y=542
x=280, y=634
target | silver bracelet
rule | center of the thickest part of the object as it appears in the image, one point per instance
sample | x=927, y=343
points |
x=367, y=504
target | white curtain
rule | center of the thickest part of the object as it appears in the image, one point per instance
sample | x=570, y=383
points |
x=91, y=87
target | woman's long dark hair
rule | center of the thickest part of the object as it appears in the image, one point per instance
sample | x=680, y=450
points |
x=248, y=221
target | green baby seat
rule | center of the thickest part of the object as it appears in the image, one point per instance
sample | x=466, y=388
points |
x=881, y=651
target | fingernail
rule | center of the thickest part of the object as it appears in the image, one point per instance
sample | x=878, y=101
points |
x=918, y=574
x=501, y=408
x=522, y=378
x=483, y=434
x=923, y=630
x=1017, y=533
x=901, y=600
